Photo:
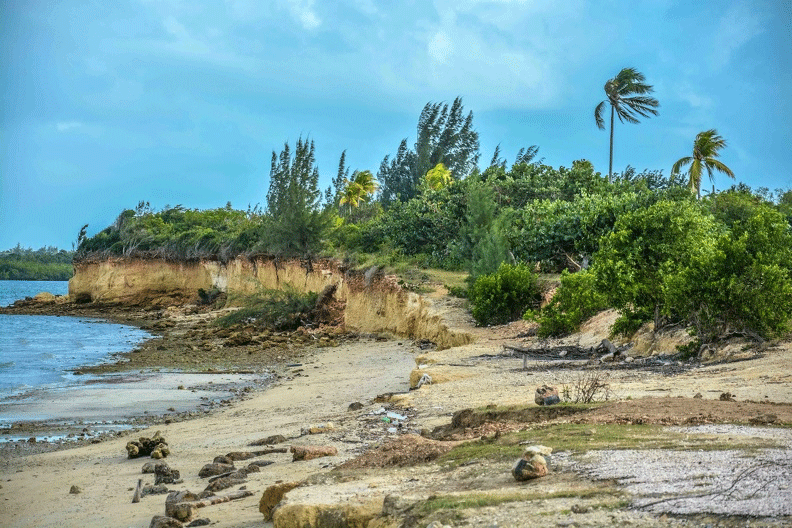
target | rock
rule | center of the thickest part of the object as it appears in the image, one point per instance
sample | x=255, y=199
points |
x=210, y=470
x=546, y=395
x=200, y=522
x=159, y=489
x=272, y=497
x=150, y=467
x=533, y=463
x=146, y=446
x=180, y=505
x=75, y=490
x=270, y=440
x=727, y=396
x=240, y=455
x=317, y=429
x=348, y=515
x=225, y=482
x=163, y=474
x=311, y=452
x=260, y=463
x=355, y=406
x=163, y=521
x=222, y=459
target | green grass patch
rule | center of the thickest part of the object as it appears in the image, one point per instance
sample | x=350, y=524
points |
x=579, y=438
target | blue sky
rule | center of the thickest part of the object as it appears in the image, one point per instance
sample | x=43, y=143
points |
x=105, y=104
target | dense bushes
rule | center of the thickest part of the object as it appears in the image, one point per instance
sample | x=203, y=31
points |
x=277, y=309
x=505, y=295
x=575, y=300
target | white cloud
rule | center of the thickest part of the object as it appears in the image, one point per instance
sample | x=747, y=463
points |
x=303, y=12
x=737, y=26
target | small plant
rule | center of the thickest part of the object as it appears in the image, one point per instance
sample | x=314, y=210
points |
x=590, y=386
x=575, y=301
x=278, y=309
x=503, y=296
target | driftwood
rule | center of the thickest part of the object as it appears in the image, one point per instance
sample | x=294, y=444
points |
x=138, y=492
x=566, y=351
x=185, y=510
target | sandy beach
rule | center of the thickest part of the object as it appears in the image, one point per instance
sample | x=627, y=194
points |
x=324, y=381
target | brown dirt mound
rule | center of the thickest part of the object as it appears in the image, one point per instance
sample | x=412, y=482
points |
x=407, y=450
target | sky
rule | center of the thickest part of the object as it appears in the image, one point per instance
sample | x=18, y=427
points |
x=106, y=104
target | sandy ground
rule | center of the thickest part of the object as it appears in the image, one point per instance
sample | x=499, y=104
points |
x=35, y=489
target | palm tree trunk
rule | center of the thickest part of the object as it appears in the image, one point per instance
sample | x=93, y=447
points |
x=610, y=163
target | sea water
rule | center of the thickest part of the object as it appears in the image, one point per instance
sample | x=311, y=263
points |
x=38, y=355
x=41, y=351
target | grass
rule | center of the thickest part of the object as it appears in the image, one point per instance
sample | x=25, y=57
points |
x=483, y=500
x=579, y=438
x=279, y=309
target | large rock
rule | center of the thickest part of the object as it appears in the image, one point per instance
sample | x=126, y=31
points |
x=546, y=395
x=210, y=470
x=311, y=452
x=163, y=474
x=533, y=463
x=325, y=515
x=272, y=497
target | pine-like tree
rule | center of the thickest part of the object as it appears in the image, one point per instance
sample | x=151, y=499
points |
x=296, y=221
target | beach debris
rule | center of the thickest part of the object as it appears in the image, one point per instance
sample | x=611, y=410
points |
x=155, y=447
x=272, y=497
x=163, y=521
x=75, y=490
x=138, y=492
x=532, y=464
x=426, y=379
x=546, y=395
x=318, y=428
x=214, y=469
x=182, y=505
x=270, y=440
x=164, y=474
x=311, y=452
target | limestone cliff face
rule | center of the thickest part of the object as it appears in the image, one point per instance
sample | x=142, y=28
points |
x=374, y=303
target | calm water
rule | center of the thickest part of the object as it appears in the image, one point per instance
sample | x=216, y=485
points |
x=39, y=351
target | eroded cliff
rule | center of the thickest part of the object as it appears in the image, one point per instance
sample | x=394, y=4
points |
x=374, y=302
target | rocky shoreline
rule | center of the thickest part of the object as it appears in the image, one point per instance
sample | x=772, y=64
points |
x=441, y=455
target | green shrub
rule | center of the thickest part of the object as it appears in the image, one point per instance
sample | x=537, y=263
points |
x=575, y=301
x=505, y=295
x=278, y=309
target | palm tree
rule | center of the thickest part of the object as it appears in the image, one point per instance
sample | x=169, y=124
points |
x=358, y=189
x=705, y=153
x=366, y=181
x=627, y=97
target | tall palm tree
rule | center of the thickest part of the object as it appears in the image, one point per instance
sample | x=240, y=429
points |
x=705, y=153
x=362, y=185
x=627, y=95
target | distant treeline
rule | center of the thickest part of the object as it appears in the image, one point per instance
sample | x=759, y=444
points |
x=46, y=263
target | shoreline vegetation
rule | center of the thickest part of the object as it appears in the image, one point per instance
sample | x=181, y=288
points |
x=44, y=264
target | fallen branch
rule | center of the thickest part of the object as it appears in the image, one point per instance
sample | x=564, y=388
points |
x=186, y=510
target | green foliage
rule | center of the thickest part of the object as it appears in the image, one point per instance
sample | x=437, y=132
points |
x=647, y=251
x=46, y=263
x=574, y=301
x=175, y=233
x=483, y=235
x=445, y=135
x=505, y=295
x=295, y=223
x=284, y=309
x=745, y=286
x=438, y=177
